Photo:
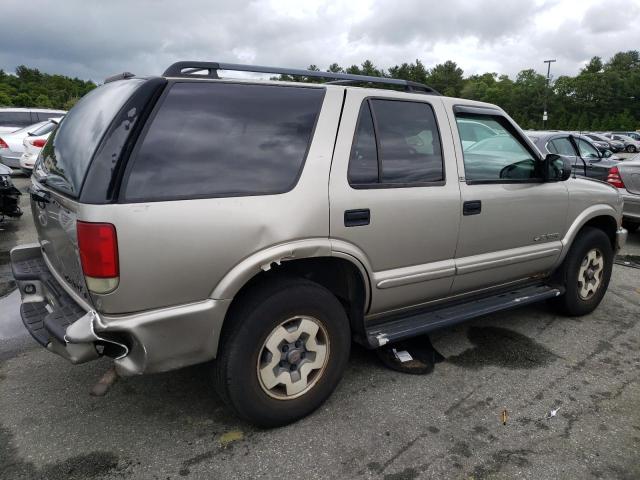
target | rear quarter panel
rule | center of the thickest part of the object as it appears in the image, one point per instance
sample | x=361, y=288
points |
x=176, y=252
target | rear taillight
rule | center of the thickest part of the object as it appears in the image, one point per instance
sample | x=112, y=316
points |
x=614, y=178
x=38, y=142
x=98, y=246
x=3, y=144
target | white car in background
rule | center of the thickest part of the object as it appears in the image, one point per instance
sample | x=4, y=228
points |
x=11, y=146
x=12, y=118
x=34, y=142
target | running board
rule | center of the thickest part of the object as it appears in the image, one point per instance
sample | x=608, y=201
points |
x=426, y=322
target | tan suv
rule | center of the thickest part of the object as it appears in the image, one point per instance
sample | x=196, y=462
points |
x=266, y=224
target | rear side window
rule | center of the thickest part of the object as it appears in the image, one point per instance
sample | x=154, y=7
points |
x=66, y=157
x=396, y=144
x=224, y=139
x=44, y=129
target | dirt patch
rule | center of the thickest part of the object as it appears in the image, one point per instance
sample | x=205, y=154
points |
x=90, y=465
x=503, y=348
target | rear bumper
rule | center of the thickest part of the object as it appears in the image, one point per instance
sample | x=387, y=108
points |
x=11, y=160
x=27, y=161
x=631, y=208
x=144, y=342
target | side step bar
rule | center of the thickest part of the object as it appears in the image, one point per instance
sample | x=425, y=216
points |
x=424, y=322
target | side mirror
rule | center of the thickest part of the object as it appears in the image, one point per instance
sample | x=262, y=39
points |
x=557, y=168
x=606, y=154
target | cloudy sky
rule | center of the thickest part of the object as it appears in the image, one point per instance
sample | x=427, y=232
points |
x=94, y=39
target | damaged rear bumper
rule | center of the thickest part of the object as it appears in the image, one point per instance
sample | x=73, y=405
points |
x=151, y=341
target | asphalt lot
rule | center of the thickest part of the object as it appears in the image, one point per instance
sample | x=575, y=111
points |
x=378, y=424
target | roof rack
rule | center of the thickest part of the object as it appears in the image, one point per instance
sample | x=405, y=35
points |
x=189, y=69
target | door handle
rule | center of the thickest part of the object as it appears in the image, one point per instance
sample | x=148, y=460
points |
x=357, y=218
x=473, y=207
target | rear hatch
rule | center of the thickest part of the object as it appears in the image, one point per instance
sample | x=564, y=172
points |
x=630, y=174
x=61, y=170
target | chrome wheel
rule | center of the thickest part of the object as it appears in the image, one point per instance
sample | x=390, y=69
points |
x=590, y=274
x=293, y=358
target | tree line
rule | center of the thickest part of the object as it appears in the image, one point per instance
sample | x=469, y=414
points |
x=602, y=96
x=31, y=88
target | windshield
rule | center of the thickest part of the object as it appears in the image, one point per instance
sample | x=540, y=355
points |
x=66, y=157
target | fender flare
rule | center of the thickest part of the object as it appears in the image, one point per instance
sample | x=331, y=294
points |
x=593, y=211
x=263, y=260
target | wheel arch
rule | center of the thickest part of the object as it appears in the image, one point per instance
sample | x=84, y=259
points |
x=341, y=273
x=603, y=217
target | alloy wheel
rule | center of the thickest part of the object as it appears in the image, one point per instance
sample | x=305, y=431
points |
x=293, y=357
x=590, y=274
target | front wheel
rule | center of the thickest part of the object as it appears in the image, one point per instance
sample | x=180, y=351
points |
x=631, y=148
x=586, y=272
x=284, y=353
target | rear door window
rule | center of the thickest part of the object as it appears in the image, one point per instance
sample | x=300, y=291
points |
x=67, y=156
x=561, y=146
x=397, y=143
x=224, y=139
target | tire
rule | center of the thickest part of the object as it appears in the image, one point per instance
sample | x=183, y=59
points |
x=631, y=148
x=241, y=370
x=631, y=227
x=575, y=279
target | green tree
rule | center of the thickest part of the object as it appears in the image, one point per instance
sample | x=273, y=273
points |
x=43, y=101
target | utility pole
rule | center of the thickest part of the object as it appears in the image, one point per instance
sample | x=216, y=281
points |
x=546, y=93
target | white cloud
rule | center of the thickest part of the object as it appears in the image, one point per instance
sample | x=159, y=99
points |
x=92, y=39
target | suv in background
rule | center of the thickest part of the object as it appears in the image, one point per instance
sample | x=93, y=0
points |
x=267, y=224
x=11, y=119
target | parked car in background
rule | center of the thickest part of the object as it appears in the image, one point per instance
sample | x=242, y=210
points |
x=12, y=119
x=630, y=145
x=626, y=177
x=9, y=195
x=634, y=135
x=472, y=132
x=33, y=143
x=11, y=146
x=586, y=159
x=302, y=217
x=604, y=143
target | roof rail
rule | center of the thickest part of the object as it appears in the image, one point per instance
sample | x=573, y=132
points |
x=188, y=69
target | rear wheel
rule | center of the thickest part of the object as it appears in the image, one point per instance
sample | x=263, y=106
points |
x=631, y=148
x=586, y=272
x=284, y=353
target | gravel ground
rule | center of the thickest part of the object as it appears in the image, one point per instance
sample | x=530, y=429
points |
x=378, y=424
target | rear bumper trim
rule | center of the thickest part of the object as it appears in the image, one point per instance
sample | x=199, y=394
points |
x=142, y=342
x=52, y=317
